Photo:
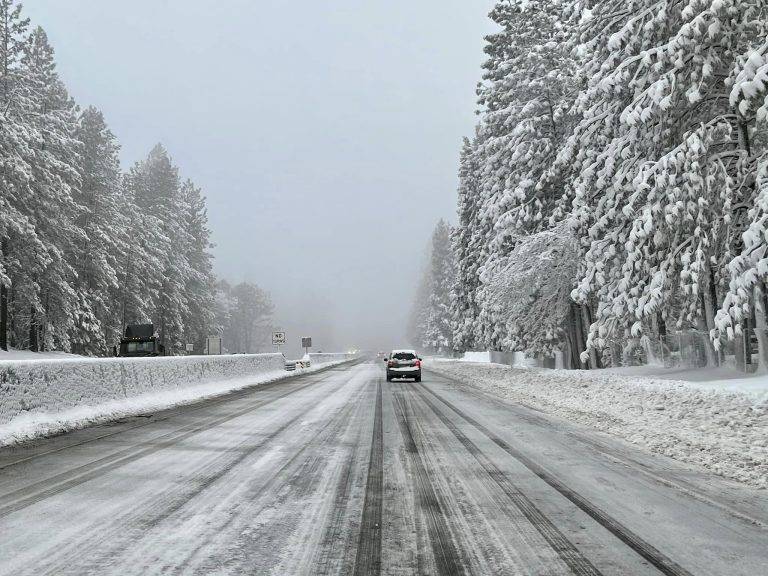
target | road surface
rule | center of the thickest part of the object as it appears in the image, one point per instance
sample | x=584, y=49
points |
x=340, y=472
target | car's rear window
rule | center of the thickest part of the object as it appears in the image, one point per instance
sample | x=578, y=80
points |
x=403, y=356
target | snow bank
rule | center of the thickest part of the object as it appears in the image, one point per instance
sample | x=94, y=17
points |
x=325, y=357
x=28, y=355
x=723, y=430
x=476, y=357
x=40, y=397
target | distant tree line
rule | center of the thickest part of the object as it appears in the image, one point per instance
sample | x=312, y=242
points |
x=244, y=316
x=616, y=185
x=84, y=247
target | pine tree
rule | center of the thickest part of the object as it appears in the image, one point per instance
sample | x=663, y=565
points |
x=158, y=268
x=658, y=159
x=431, y=328
x=15, y=191
x=44, y=288
x=464, y=305
x=438, y=333
x=200, y=288
x=97, y=259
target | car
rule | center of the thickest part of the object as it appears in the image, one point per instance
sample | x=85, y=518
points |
x=403, y=364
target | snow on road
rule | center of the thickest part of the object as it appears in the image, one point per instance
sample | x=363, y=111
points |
x=343, y=473
x=79, y=391
x=721, y=425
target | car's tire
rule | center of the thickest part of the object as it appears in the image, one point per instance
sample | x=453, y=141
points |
x=389, y=378
x=417, y=378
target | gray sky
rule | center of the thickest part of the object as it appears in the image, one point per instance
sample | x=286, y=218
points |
x=325, y=134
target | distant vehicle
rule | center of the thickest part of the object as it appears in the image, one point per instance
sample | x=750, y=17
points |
x=140, y=340
x=403, y=364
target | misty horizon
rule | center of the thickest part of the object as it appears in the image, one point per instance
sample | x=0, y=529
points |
x=327, y=149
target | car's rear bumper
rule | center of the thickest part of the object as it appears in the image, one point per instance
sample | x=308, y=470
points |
x=403, y=372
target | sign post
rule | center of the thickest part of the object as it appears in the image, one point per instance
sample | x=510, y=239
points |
x=278, y=339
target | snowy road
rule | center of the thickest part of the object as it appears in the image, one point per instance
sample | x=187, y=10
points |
x=340, y=472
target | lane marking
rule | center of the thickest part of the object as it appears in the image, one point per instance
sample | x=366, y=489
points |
x=659, y=560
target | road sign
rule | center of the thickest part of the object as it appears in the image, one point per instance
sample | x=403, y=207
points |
x=306, y=342
x=213, y=345
x=278, y=338
x=190, y=347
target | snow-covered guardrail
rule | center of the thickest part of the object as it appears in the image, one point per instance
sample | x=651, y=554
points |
x=32, y=387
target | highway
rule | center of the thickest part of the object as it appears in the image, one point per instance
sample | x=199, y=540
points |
x=340, y=472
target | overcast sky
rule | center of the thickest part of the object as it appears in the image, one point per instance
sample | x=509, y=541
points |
x=325, y=134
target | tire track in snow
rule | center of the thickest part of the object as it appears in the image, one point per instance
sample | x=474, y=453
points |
x=368, y=558
x=124, y=530
x=159, y=416
x=655, y=557
x=38, y=491
x=296, y=477
x=444, y=549
x=567, y=552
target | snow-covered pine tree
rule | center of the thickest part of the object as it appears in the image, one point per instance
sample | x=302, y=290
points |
x=464, y=306
x=532, y=292
x=657, y=157
x=746, y=294
x=45, y=297
x=157, y=269
x=15, y=190
x=437, y=333
x=98, y=257
x=524, y=97
x=200, y=287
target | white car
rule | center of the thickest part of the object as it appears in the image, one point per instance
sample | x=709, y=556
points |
x=403, y=364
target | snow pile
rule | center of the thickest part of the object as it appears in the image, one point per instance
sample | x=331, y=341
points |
x=39, y=397
x=722, y=430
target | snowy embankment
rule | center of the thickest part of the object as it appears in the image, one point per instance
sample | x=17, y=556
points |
x=50, y=396
x=725, y=431
x=325, y=357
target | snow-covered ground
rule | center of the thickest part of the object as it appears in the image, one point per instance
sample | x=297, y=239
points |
x=47, y=396
x=28, y=355
x=721, y=424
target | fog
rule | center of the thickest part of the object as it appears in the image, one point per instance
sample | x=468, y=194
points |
x=325, y=135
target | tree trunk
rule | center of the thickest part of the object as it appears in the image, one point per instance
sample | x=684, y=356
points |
x=594, y=359
x=760, y=326
x=33, y=329
x=707, y=324
x=4, y=302
x=578, y=330
x=3, y=317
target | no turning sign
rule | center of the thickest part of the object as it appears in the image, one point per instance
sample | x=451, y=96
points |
x=278, y=338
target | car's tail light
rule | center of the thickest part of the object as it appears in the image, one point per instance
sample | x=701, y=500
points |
x=418, y=363
x=390, y=364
